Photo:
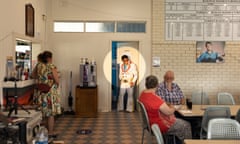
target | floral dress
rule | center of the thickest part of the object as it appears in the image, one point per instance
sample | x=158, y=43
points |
x=49, y=101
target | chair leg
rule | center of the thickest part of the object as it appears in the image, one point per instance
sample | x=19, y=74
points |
x=143, y=135
x=151, y=138
x=174, y=139
x=170, y=139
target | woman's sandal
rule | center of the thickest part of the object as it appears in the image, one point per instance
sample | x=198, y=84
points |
x=52, y=135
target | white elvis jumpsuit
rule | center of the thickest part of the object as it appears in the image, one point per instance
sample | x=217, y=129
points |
x=127, y=74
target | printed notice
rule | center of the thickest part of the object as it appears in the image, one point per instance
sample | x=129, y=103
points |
x=202, y=20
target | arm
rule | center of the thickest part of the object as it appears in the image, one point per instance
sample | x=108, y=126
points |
x=55, y=75
x=135, y=75
x=201, y=57
x=167, y=110
x=180, y=94
x=120, y=72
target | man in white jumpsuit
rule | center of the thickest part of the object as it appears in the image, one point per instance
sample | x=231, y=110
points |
x=128, y=75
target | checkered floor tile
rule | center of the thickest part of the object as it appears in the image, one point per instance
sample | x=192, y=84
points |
x=107, y=128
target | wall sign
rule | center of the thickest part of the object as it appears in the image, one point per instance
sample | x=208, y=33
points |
x=210, y=51
x=208, y=20
x=29, y=20
x=156, y=61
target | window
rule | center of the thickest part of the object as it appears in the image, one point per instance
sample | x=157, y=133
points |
x=99, y=27
x=135, y=27
x=68, y=27
x=107, y=26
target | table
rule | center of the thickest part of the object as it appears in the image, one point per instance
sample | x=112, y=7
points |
x=198, y=110
x=212, y=141
x=195, y=115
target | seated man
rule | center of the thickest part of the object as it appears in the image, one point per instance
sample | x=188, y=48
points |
x=170, y=91
x=161, y=113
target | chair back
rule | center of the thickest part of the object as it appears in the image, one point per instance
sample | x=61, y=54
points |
x=223, y=128
x=238, y=116
x=214, y=112
x=156, y=131
x=224, y=98
x=200, y=97
x=145, y=120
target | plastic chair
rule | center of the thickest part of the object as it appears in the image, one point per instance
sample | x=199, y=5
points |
x=145, y=121
x=223, y=128
x=170, y=139
x=238, y=116
x=225, y=98
x=200, y=97
x=211, y=113
x=156, y=131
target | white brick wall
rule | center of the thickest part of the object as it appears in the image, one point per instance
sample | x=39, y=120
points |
x=180, y=56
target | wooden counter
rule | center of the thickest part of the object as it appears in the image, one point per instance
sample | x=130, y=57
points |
x=86, y=102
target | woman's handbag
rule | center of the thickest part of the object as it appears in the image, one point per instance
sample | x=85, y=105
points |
x=44, y=88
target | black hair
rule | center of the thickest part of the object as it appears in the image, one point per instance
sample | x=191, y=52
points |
x=151, y=82
x=45, y=56
x=208, y=42
x=124, y=56
x=40, y=57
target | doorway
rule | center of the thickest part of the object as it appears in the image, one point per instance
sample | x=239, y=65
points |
x=120, y=48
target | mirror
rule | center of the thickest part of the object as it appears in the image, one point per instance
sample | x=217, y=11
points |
x=23, y=58
x=26, y=57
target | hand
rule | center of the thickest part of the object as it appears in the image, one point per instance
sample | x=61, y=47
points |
x=131, y=84
x=177, y=107
x=183, y=101
x=170, y=105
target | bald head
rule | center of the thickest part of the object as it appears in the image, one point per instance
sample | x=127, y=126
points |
x=169, y=76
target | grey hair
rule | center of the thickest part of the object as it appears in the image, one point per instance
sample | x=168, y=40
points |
x=151, y=82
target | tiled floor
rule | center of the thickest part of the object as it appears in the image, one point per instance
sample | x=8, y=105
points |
x=107, y=128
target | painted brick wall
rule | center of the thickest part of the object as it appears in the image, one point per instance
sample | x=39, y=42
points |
x=180, y=56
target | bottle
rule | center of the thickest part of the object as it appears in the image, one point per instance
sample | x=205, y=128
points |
x=25, y=74
x=42, y=136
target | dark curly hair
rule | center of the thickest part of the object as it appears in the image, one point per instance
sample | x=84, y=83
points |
x=45, y=56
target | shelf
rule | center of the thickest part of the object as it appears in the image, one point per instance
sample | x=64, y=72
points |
x=20, y=84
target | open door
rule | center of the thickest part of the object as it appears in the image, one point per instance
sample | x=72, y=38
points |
x=120, y=48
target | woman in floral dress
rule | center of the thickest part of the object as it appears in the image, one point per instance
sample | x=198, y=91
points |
x=48, y=95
